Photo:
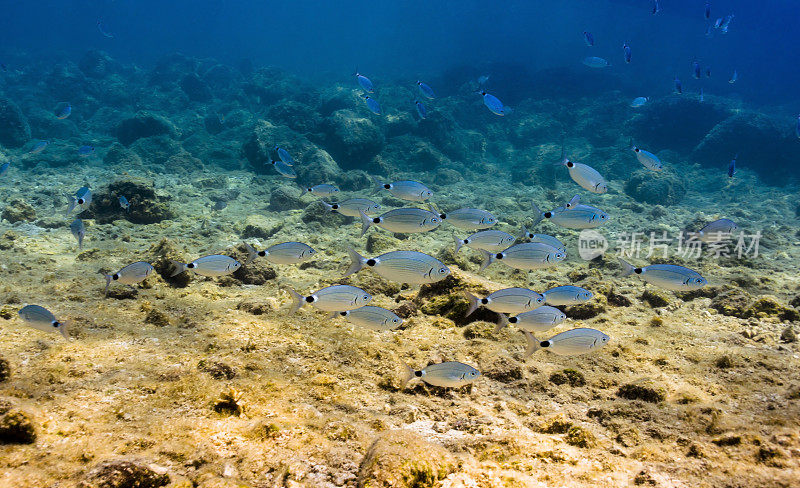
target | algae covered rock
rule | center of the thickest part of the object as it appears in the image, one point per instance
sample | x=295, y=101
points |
x=14, y=128
x=568, y=376
x=124, y=473
x=645, y=390
x=18, y=211
x=655, y=188
x=16, y=426
x=195, y=88
x=98, y=64
x=351, y=139
x=143, y=124
x=504, y=369
x=5, y=369
x=146, y=207
x=401, y=459
x=285, y=198
x=160, y=255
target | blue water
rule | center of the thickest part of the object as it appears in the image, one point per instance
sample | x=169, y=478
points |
x=415, y=38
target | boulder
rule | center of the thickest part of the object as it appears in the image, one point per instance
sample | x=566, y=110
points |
x=98, y=64
x=195, y=88
x=14, y=128
x=400, y=458
x=655, y=188
x=353, y=140
x=143, y=124
x=124, y=473
x=145, y=206
x=16, y=426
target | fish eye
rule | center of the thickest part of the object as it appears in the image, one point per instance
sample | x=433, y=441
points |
x=443, y=270
x=365, y=297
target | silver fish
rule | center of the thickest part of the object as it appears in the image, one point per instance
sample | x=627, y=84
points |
x=648, y=159
x=544, y=239
x=213, y=265
x=468, y=218
x=78, y=230
x=580, y=217
x=334, y=298
x=373, y=318
x=402, y=220
x=283, y=253
x=542, y=319
x=81, y=200
x=717, y=231
x=485, y=240
x=527, y=255
x=567, y=295
x=283, y=168
x=353, y=207
x=412, y=191
x=42, y=319
x=569, y=343
x=586, y=176
x=323, y=190
x=507, y=300
x=669, y=276
x=451, y=374
x=410, y=267
x=130, y=275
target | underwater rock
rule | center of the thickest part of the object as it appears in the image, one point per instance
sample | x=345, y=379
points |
x=769, y=306
x=230, y=402
x=98, y=64
x=261, y=227
x=213, y=124
x=503, y=369
x=195, y=88
x=17, y=210
x=143, y=124
x=285, y=198
x=757, y=138
x=271, y=84
x=157, y=150
x=645, y=391
x=788, y=336
x=255, y=273
x=14, y=128
x=588, y=310
x=675, y=122
x=655, y=188
x=182, y=163
x=160, y=255
x=409, y=153
x=655, y=298
x=532, y=169
x=216, y=369
x=379, y=243
x=123, y=473
x=5, y=369
x=736, y=302
x=120, y=155
x=351, y=139
x=157, y=317
x=317, y=212
x=401, y=458
x=66, y=81
x=534, y=129
x=146, y=207
x=16, y=426
x=297, y=116
x=580, y=437
x=171, y=68
x=568, y=376
x=220, y=77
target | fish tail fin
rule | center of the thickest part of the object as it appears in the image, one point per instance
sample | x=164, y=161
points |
x=502, y=322
x=539, y=215
x=473, y=303
x=327, y=205
x=408, y=373
x=332, y=315
x=297, y=300
x=366, y=222
x=458, y=242
x=533, y=344
x=179, y=267
x=64, y=329
x=251, y=253
x=108, y=281
x=73, y=202
x=376, y=186
x=357, y=264
x=523, y=233
x=488, y=258
x=627, y=268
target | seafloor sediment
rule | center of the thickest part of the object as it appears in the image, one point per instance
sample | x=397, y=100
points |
x=210, y=383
